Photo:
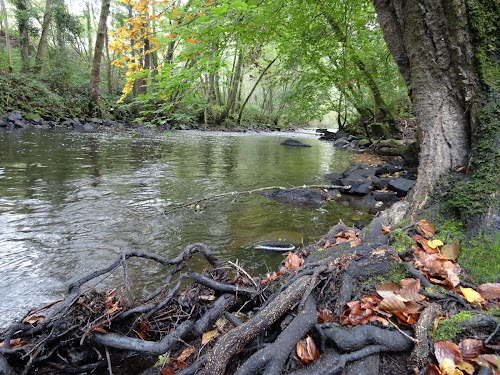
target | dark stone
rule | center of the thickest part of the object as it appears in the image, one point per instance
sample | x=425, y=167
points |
x=341, y=142
x=353, y=182
x=379, y=183
x=37, y=120
x=388, y=197
x=374, y=233
x=333, y=176
x=397, y=163
x=20, y=124
x=14, y=116
x=334, y=194
x=3, y=123
x=293, y=143
x=363, y=189
x=328, y=136
x=386, y=169
x=361, y=173
x=401, y=186
x=88, y=127
x=369, y=200
x=297, y=196
x=321, y=130
x=78, y=126
x=359, y=224
x=408, y=175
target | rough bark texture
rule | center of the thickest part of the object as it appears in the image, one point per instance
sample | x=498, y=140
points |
x=7, y=38
x=99, y=46
x=42, y=45
x=23, y=25
x=430, y=42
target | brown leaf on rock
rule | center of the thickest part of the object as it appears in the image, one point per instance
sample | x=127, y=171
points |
x=386, y=229
x=348, y=235
x=470, y=348
x=451, y=251
x=186, y=353
x=325, y=316
x=489, y=291
x=307, y=350
x=446, y=349
x=426, y=228
x=293, y=261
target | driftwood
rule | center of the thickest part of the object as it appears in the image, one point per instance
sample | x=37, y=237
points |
x=86, y=331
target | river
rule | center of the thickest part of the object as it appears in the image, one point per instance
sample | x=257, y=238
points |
x=71, y=202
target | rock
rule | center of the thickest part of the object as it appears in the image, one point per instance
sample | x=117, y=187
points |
x=297, y=196
x=370, y=201
x=14, y=116
x=380, y=183
x=352, y=182
x=293, y=143
x=20, y=124
x=359, y=224
x=388, y=197
x=342, y=143
x=386, y=169
x=363, y=189
x=3, y=123
x=401, y=186
x=88, y=127
x=395, y=213
x=334, y=194
x=374, y=233
x=96, y=120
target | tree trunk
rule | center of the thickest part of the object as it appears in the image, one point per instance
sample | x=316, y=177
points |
x=99, y=46
x=42, y=45
x=89, y=31
x=7, y=38
x=431, y=44
x=23, y=25
x=238, y=122
x=231, y=99
x=109, y=70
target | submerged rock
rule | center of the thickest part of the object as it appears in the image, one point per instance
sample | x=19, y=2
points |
x=293, y=143
x=304, y=197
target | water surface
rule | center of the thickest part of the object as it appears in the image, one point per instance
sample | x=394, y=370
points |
x=71, y=202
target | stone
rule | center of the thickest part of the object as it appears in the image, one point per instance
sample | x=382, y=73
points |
x=353, y=182
x=334, y=176
x=386, y=169
x=363, y=189
x=96, y=120
x=14, y=116
x=20, y=124
x=369, y=200
x=293, y=143
x=297, y=196
x=401, y=186
x=388, y=197
x=88, y=127
x=334, y=194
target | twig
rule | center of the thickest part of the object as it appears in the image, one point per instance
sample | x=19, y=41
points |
x=402, y=332
x=110, y=370
x=244, y=272
x=231, y=193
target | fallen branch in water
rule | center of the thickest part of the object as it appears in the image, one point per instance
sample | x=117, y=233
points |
x=246, y=192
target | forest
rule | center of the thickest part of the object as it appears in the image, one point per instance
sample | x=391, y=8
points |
x=416, y=291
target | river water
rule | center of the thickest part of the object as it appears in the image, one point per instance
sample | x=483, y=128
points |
x=71, y=202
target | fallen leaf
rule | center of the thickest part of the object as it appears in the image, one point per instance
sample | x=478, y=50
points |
x=142, y=330
x=113, y=308
x=434, y=244
x=467, y=367
x=447, y=367
x=446, y=349
x=99, y=329
x=14, y=343
x=307, y=350
x=386, y=229
x=325, y=316
x=470, y=348
x=388, y=290
x=471, y=295
x=451, y=251
x=167, y=371
x=426, y=228
x=33, y=319
x=207, y=336
x=489, y=291
x=293, y=261
x=186, y=353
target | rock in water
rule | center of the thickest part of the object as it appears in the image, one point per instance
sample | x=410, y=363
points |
x=293, y=143
x=278, y=246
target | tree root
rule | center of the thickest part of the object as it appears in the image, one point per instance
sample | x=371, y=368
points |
x=420, y=353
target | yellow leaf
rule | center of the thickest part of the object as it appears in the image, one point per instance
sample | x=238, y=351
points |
x=451, y=251
x=467, y=367
x=433, y=244
x=207, y=336
x=471, y=295
x=447, y=366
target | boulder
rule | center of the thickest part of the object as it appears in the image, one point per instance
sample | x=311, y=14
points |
x=401, y=186
x=388, y=197
x=14, y=116
x=304, y=197
x=293, y=143
x=20, y=124
x=363, y=189
x=334, y=176
x=88, y=127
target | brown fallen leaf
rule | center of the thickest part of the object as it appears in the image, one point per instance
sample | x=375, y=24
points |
x=99, y=329
x=470, y=348
x=489, y=291
x=186, y=353
x=293, y=261
x=207, y=336
x=426, y=228
x=325, y=316
x=446, y=349
x=451, y=251
x=14, y=343
x=142, y=330
x=386, y=229
x=307, y=350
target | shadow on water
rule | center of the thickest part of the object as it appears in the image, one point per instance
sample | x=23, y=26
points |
x=70, y=203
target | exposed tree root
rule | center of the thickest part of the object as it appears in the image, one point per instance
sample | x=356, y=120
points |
x=259, y=320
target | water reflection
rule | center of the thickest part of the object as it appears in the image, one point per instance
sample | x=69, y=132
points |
x=70, y=203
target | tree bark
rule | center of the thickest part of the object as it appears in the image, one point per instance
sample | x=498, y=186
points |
x=430, y=42
x=99, y=46
x=7, y=38
x=42, y=45
x=89, y=31
x=231, y=99
x=24, y=39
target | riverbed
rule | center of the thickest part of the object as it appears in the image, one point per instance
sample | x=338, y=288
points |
x=72, y=202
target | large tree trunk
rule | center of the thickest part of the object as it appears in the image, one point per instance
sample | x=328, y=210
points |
x=99, y=46
x=23, y=25
x=7, y=38
x=42, y=45
x=430, y=43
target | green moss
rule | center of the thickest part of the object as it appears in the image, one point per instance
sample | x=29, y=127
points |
x=395, y=275
x=400, y=240
x=481, y=259
x=495, y=311
x=448, y=329
x=450, y=230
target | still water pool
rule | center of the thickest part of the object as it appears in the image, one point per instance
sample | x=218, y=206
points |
x=71, y=202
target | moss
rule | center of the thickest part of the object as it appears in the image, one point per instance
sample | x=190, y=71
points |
x=403, y=223
x=400, y=240
x=495, y=311
x=395, y=275
x=481, y=259
x=448, y=329
x=450, y=230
